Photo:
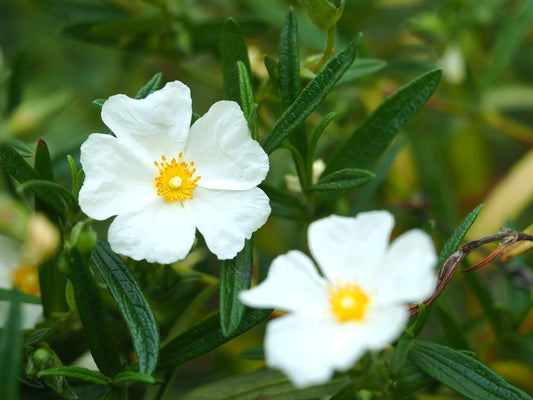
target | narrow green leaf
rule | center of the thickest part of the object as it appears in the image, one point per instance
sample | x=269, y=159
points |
x=373, y=136
x=458, y=235
x=132, y=376
x=289, y=76
x=62, y=191
x=399, y=357
x=255, y=353
x=38, y=336
x=81, y=373
x=15, y=82
x=99, y=102
x=153, y=84
x=317, y=133
x=236, y=275
x=462, y=373
x=262, y=384
x=246, y=93
x=9, y=295
x=348, y=392
x=311, y=97
x=284, y=204
x=233, y=48
x=271, y=66
x=19, y=169
x=410, y=379
x=117, y=393
x=77, y=176
x=204, y=337
x=132, y=304
x=344, y=179
x=11, y=351
x=22, y=148
x=93, y=315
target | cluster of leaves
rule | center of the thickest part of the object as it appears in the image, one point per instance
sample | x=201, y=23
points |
x=97, y=292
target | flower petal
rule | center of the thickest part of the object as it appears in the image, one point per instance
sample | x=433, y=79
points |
x=158, y=232
x=348, y=249
x=292, y=284
x=407, y=272
x=31, y=314
x=151, y=125
x=225, y=155
x=115, y=179
x=300, y=346
x=225, y=218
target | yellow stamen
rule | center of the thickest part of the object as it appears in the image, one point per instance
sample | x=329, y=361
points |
x=26, y=278
x=348, y=302
x=175, y=181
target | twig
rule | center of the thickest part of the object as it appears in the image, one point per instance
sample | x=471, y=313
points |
x=449, y=266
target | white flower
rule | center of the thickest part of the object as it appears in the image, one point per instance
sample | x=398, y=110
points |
x=26, y=277
x=145, y=175
x=356, y=306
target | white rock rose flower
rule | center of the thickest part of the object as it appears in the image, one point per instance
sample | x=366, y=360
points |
x=164, y=179
x=14, y=272
x=358, y=304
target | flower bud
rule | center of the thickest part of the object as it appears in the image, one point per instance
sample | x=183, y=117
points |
x=83, y=237
x=324, y=13
x=42, y=239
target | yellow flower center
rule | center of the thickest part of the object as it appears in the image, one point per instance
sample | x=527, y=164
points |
x=26, y=278
x=175, y=181
x=348, y=302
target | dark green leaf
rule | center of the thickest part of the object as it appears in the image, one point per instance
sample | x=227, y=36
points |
x=255, y=353
x=410, y=379
x=317, y=133
x=462, y=373
x=284, y=204
x=363, y=148
x=236, y=275
x=262, y=384
x=9, y=295
x=344, y=179
x=246, y=93
x=99, y=102
x=93, y=315
x=152, y=85
x=348, y=392
x=311, y=97
x=16, y=82
x=452, y=328
x=19, y=169
x=11, y=351
x=22, y=148
x=62, y=191
x=399, y=357
x=117, y=393
x=131, y=376
x=204, y=337
x=79, y=373
x=38, y=336
x=233, y=48
x=132, y=304
x=76, y=9
x=458, y=235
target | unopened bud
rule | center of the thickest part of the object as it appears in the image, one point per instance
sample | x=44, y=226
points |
x=324, y=13
x=42, y=239
x=83, y=237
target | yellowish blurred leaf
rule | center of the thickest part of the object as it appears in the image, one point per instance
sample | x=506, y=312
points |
x=518, y=248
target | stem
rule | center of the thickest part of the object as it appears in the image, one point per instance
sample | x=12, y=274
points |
x=328, y=52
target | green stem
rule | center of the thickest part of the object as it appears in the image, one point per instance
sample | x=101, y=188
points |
x=328, y=52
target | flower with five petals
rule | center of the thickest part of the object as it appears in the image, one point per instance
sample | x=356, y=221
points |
x=358, y=303
x=164, y=179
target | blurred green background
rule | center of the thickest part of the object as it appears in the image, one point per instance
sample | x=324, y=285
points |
x=471, y=143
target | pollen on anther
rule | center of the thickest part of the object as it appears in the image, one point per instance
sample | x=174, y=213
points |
x=175, y=181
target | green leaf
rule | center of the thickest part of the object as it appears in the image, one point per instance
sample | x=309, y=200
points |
x=316, y=135
x=344, y=179
x=99, y=102
x=360, y=68
x=246, y=93
x=204, y=337
x=132, y=304
x=399, y=357
x=81, y=373
x=93, y=315
x=236, y=275
x=22, y=148
x=410, y=379
x=311, y=97
x=462, y=373
x=152, y=85
x=363, y=148
x=38, y=336
x=458, y=235
x=233, y=48
x=132, y=376
x=19, y=169
x=348, y=392
x=9, y=295
x=11, y=350
x=117, y=393
x=77, y=176
x=284, y=204
x=262, y=384
x=62, y=191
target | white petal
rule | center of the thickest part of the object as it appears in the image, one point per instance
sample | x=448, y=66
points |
x=31, y=314
x=292, y=284
x=226, y=217
x=9, y=260
x=115, y=179
x=150, y=125
x=348, y=249
x=225, y=155
x=160, y=232
x=381, y=327
x=407, y=273
x=300, y=346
